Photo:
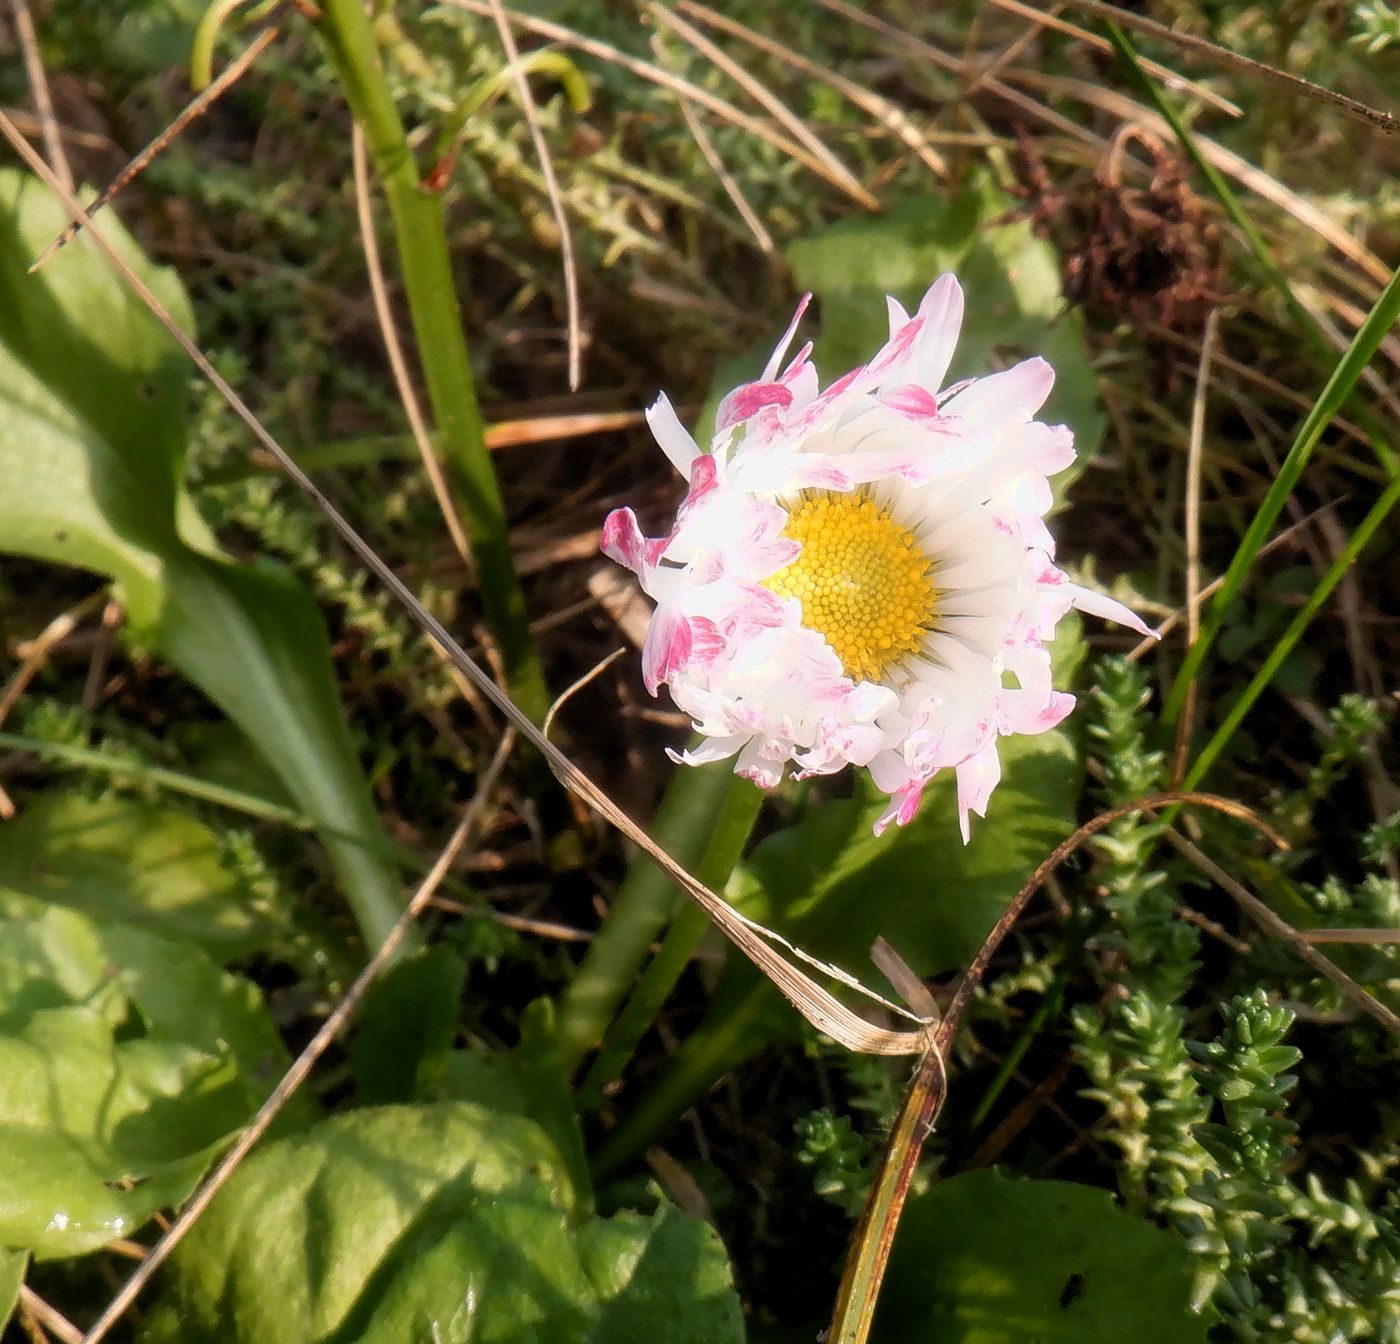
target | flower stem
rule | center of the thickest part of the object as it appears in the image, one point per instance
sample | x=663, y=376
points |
x=731, y=830
x=426, y=265
x=707, y=1054
x=707, y=813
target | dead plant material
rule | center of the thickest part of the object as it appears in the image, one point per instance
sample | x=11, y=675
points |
x=1147, y=255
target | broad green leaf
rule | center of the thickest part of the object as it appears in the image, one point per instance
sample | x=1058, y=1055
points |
x=442, y=1223
x=983, y=1259
x=12, y=1267
x=831, y=885
x=125, y=1060
x=92, y=439
x=139, y=862
x=1015, y=307
x=529, y=1081
x=405, y=1027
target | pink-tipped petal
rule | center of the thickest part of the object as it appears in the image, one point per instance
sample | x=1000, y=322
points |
x=747, y=401
x=667, y=648
x=1016, y=394
x=775, y=360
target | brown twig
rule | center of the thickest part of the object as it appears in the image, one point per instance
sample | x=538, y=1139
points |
x=1171, y=78
x=49, y=1317
x=879, y=109
x=796, y=126
x=33, y=657
x=567, y=37
x=1377, y=120
x=1369, y=937
x=1262, y=915
x=39, y=88
x=1157, y=802
x=195, y=108
x=705, y=145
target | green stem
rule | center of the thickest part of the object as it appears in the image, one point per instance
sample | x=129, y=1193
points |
x=706, y=1055
x=644, y=902
x=1344, y=377
x=426, y=265
x=730, y=833
x=1355, y=543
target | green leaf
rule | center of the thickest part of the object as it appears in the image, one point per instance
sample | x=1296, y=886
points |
x=982, y=1259
x=832, y=886
x=529, y=1081
x=406, y=1026
x=92, y=440
x=12, y=1267
x=125, y=1060
x=1015, y=307
x=441, y=1223
x=135, y=861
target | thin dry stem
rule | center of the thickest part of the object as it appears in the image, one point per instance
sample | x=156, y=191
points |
x=705, y=145
x=1288, y=534
x=1171, y=78
x=36, y=654
x=551, y=182
x=575, y=687
x=195, y=108
x=835, y=171
x=1195, y=444
x=880, y=109
x=302, y=1066
x=1372, y=937
x=39, y=88
x=1267, y=920
x=49, y=1317
x=379, y=291
x=1381, y=121
x=654, y=74
x=967, y=986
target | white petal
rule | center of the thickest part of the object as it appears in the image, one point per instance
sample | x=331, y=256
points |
x=942, y=311
x=675, y=440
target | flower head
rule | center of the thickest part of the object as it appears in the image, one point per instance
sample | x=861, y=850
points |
x=863, y=575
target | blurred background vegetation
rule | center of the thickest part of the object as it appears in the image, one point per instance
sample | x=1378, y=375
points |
x=1143, y=1035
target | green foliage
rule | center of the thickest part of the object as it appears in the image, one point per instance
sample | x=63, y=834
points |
x=838, y=1156
x=143, y=863
x=92, y=442
x=981, y=1259
x=1375, y=26
x=125, y=1059
x=444, y=1222
x=12, y=1267
x=1202, y=1127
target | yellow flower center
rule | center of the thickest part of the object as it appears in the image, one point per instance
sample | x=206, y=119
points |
x=863, y=582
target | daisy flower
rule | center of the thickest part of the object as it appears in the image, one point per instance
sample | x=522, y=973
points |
x=863, y=575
